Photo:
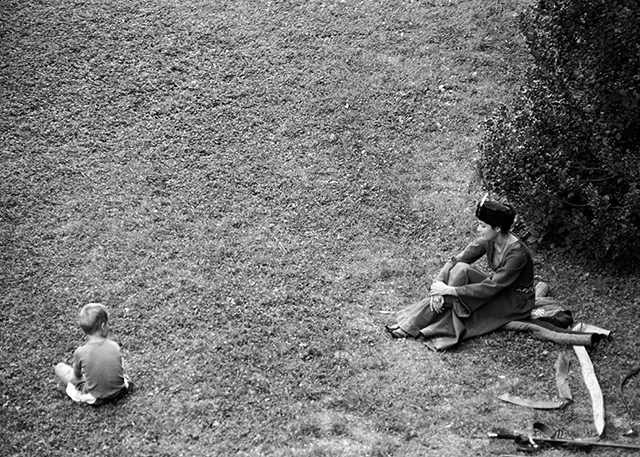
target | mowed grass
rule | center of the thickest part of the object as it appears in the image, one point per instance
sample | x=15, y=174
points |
x=251, y=187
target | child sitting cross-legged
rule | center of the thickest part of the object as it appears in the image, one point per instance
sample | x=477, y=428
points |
x=97, y=374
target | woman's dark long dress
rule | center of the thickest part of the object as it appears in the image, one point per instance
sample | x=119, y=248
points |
x=484, y=303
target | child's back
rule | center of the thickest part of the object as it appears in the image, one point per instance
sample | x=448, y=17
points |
x=97, y=374
x=101, y=363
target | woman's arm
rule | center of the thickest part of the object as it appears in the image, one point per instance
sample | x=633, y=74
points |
x=473, y=296
x=440, y=288
x=474, y=251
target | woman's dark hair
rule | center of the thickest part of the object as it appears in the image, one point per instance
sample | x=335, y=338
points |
x=496, y=214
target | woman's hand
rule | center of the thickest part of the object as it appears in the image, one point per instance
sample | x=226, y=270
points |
x=437, y=303
x=440, y=288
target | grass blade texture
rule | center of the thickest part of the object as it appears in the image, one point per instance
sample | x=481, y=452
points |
x=250, y=187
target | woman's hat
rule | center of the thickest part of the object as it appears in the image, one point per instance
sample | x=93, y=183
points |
x=496, y=214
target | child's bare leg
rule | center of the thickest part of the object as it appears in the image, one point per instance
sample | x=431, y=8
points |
x=65, y=374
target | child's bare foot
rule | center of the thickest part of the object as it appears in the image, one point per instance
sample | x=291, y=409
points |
x=130, y=386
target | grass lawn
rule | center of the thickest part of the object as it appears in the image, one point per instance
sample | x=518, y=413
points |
x=251, y=187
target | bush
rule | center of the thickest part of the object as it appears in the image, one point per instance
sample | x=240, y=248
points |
x=566, y=152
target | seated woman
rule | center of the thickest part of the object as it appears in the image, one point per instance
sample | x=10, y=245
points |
x=464, y=302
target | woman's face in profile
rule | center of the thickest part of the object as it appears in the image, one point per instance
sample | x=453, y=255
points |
x=486, y=231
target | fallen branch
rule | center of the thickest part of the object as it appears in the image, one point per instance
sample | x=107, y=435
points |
x=530, y=443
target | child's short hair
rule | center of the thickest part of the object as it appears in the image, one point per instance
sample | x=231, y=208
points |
x=92, y=317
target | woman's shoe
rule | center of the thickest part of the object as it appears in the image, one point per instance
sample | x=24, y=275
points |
x=391, y=328
x=397, y=332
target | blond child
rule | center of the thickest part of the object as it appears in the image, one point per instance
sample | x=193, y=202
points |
x=97, y=374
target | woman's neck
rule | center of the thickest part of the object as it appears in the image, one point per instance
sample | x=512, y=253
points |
x=502, y=241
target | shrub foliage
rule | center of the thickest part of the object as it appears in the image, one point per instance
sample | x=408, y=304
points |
x=566, y=150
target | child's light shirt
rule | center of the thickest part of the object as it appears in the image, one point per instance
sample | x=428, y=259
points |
x=101, y=364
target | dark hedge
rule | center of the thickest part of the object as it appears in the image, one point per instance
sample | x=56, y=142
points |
x=566, y=150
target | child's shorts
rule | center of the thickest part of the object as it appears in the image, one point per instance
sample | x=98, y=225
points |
x=76, y=393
